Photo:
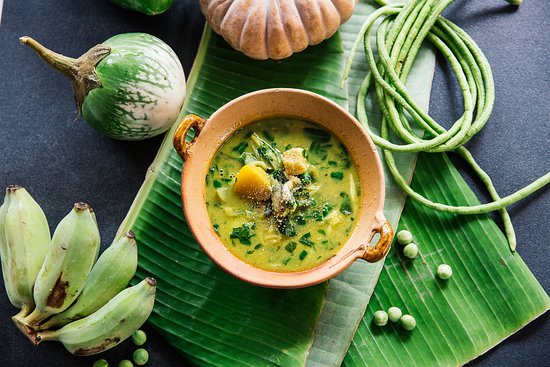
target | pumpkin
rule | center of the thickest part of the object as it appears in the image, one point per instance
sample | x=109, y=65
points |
x=275, y=29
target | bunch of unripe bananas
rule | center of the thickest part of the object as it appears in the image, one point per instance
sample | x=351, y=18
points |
x=63, y=293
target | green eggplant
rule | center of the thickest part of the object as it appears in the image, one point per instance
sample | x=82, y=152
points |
x=149, y=7
x=130, y=87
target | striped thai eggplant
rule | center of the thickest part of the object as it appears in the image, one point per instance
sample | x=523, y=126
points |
x=131, y=87
x=149, y=7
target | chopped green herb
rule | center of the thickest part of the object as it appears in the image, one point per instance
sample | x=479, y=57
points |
x=279, y=175
x=337, y=175
x=322, y=231
x=306, y=178
x=319, y=150
x=241, y=147
x=227, y=180
x=289, y=146
x=243, y=233
x=299, y=219
x=302, y=255
x=345, y=207
x=327, y=208
x=291, y=246
x=318, y=134
x=217, y=184
x=332, y=163
x=259, y=245
x=317, y=215
x=306, y=239
x=286, y=261
x=286, y=228
x=216, y=228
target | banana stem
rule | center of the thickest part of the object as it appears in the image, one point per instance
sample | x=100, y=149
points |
x=25, y=310
x=46, y=335
x=34, y=318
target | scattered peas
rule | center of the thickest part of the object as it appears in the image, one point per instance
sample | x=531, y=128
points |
x=140, y=356
x=125, y=363
x=380, y=318
x=444, y=271
x=101, y=363
x=139, y=337
x=394, y=314
x=404, y=237
x=411, y=250
x=408, y=322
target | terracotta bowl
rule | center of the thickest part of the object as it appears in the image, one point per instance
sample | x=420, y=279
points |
x=212, y=133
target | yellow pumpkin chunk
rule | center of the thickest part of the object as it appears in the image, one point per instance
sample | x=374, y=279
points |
x=294, y=161
x=253, y=183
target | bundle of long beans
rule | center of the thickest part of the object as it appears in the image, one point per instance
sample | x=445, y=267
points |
x=401, y=31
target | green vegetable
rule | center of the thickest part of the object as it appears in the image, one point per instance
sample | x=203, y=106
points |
x=415, y=21
x=140, y=356
x=101, y=363
x=139, y=337
x=337, y=175
x=411, y=250
x=444, y=271
x=404, y=237
x=408, y=322
x=318, y=134
x=306, y=239
x=394, y=314
x=291, y=246
x=125, y=363
x=131, y=87
x=243, y=233
x=217, y=184
x=345, y=207
x=380, y=318
x=266, y=153
x=241, y=147
x=149, y=7
x=303, y=255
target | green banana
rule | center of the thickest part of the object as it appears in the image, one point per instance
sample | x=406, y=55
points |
x=108, y=326
x=74, y=250
x=10, y=291
x=24, y=244
x=110, y=275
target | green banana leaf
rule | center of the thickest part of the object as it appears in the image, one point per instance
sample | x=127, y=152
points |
x=349, y=293
x=490, y=296
x=213, y=318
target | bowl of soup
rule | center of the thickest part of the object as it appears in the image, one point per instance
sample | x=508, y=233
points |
x=282, y=188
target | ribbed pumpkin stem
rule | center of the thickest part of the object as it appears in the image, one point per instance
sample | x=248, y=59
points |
x=80, y=71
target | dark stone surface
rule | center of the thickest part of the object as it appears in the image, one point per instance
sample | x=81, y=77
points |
x=61, y=160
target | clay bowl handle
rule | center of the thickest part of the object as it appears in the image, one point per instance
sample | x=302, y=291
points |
x=180, y=144
x=376, y=253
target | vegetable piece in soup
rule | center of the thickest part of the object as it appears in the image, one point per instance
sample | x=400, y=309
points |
x=283, y=194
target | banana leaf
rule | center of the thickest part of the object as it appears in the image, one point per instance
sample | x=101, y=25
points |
x=490, y=296
x=350, y=292
x=211, y=317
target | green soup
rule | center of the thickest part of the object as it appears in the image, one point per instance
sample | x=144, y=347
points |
x=283, y=194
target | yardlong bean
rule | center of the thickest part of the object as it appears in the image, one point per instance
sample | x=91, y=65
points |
x=401, y=30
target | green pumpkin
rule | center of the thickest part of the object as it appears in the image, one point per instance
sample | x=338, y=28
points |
x=149, y=7
x=131, y=87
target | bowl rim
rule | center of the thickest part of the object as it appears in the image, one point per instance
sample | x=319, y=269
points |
x=210, y=242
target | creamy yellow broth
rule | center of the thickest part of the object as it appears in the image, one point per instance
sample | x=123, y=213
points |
x=312, y=227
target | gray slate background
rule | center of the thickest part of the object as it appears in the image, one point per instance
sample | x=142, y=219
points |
x=61, y=160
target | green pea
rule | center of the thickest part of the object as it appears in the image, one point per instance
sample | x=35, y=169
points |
x=101, y=363
x=380, y=318
x=411, y=250
x=394, y=314
x=444, y=271
x=408, y=322
x=404, y=237
x=139, y=337
x=125, y=363
x=140, y=356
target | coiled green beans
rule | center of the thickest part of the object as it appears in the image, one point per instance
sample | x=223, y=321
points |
x=402, y=29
